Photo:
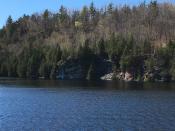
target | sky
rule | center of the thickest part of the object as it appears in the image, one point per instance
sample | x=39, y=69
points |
x=17, y=8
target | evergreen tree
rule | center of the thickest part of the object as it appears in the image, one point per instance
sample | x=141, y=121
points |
x=62, y=14
x=92, y=11
x=85, y=18
x=46, y=15
x=33, y=64
x=9, y=29
x=110, y=8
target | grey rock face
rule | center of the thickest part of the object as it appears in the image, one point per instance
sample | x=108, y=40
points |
x=74, y=69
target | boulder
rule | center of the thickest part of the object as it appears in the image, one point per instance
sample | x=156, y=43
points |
x=128, y=77
x=108, y=77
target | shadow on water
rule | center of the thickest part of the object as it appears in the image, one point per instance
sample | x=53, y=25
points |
x=115, y=85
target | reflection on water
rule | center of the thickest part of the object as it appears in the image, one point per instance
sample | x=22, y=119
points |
x=74, y=105
x=87, y=84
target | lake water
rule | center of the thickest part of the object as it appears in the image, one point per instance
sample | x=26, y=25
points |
x=86, y=106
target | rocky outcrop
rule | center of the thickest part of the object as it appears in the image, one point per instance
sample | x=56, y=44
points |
x=157, y=76
x=107, y=77
x=148, y=76
x=74, y=69
x=125, y=76
x=128, y=77
x=70, y=69
x=102, y=69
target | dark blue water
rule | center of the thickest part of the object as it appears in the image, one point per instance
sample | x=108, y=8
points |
x=84, y=106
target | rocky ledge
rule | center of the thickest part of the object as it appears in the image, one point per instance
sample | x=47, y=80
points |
x=120, y=76
x=101, y=69
x=147, y=77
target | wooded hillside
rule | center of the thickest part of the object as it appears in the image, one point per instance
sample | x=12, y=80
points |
x=139, y=39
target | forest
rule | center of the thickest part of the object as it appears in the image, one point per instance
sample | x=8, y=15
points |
x=137, y=39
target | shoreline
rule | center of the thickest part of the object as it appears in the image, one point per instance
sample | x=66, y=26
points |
x=83, y=80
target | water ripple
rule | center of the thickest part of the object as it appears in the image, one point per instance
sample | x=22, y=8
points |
x=83, y=110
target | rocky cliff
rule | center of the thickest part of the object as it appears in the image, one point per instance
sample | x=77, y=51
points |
x=74, y=69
